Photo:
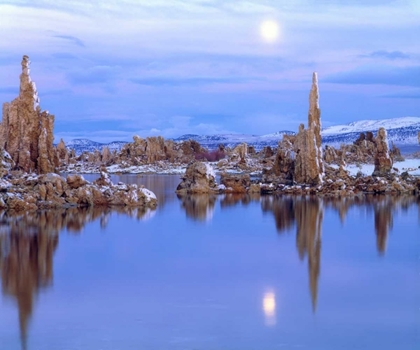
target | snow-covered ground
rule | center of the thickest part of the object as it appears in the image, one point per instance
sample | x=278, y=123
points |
x=412, y=166
x=369, y=125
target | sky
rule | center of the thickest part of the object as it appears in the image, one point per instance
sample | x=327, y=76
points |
x=109, y=70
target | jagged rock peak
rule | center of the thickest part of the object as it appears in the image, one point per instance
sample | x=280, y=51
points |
x=27, y=132
x=309, y=167
x=27, y=86
x=314, y=100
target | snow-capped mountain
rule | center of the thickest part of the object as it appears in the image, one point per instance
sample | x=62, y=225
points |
x=402, y=131
x=231, y=140
x=85, y=145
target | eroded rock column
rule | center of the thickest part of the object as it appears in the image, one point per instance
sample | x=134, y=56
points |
x=383, y=161
x=309, y=167
x=27, y=132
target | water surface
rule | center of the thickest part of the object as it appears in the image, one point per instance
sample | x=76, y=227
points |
x=213, y=272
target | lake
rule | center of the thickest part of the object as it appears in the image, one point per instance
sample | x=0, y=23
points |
x=213, y=272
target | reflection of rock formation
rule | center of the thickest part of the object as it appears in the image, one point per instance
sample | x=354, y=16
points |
x=27, y=245
x=307, y=214
x=382, y=208
x=383, y=222
x=232, y=199
x=198, y=207
x=26, y=263
x=282, y=209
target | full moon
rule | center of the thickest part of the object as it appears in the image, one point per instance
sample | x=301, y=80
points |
x=269, y=30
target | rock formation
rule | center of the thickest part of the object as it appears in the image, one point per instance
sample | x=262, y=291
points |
x=240, y=152
x=153, y=150
x=27, y=132
x=32, y=192
x=284, y=163
x=309, y=166
x=199, y=178
x=383, y=161
x=236, y=183
x=395, y=153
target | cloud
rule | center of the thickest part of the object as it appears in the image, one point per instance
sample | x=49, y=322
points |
x=389, y=55
x=379, y=75
x=72, y=39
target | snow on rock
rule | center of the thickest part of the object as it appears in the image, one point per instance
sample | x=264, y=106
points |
x=34, y=192
x=199, y=178
x=148, y=194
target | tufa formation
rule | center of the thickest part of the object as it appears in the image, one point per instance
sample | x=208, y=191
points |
x=26, y=131
x=309, y=166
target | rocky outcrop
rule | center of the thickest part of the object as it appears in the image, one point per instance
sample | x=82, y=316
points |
x=199, y=178
x=284, y=163
x=362, y=151
x=235, y=183
x=239, y=153
x=27, y=132
x=395, y=154
x=309, y=166
x=383, y=161
x=63, y=155
x=299, y=158
x=33, y=192
x=153, y=150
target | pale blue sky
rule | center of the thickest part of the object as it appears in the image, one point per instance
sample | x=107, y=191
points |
x=111, y=69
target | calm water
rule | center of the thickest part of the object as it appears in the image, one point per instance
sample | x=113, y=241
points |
x=227, y=272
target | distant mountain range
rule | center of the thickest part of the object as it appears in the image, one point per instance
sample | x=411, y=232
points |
x=402, y=131
x=85, y=145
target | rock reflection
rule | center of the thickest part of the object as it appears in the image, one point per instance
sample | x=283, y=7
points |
x=306, y=213
x=26, y=265
x=198, y=207
x=233, y=199
x=309, y=215
x=27, y=245
x=383, y=222
x=282, y=209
